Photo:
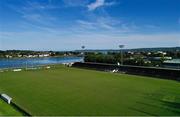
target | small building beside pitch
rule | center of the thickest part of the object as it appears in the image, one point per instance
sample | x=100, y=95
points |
x=6, y=98
x=174, y=63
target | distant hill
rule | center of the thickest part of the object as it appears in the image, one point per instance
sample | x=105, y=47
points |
x=105, y=50
x=133, y=50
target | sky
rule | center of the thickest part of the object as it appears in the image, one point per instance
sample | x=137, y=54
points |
x=96, y=24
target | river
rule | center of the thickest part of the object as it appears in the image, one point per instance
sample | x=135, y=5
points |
x=32, y=62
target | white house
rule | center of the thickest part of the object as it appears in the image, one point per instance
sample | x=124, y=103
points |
x=17, y=70
x=48, y=67
x=6, y=98
x=46, y=55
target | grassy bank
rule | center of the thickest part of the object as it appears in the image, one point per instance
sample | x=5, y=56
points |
x=72, y=91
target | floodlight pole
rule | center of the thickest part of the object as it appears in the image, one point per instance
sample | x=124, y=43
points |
x=121, y=47
x=83, y=47
x=177, y=58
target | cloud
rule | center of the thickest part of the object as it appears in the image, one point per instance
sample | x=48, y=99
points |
x=39, y=18
x=99, y=3
x=151, y=26
x=96, y=4
x=99, y=23
x=107, y=24
x=30, y=6
x=111, y=41
x=86, y=25
x=33, y=17
x=35, y=13
x=94, y=25
x=58, y=41
x=75, y=3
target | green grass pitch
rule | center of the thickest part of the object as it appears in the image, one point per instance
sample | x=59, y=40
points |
x=7, y=110
x=73, y=91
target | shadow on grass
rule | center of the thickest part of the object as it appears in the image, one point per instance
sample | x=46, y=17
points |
x=142, y=111
x=174, y=105
x=157, y=101
x=164, y=106
x=155, y=109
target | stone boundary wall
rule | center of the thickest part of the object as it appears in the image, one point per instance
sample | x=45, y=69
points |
x=164, y=73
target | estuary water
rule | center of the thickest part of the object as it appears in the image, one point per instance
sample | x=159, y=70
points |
x=32, y=62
